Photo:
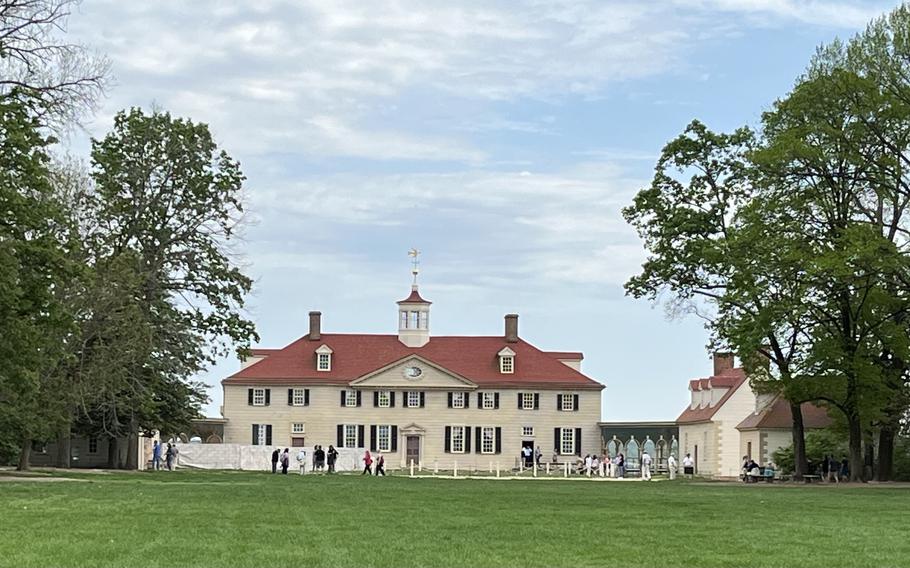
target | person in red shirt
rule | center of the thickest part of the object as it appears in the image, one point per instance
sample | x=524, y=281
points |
x=367, y=463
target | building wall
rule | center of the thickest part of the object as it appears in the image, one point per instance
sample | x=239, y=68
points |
x=729, y=455
x=757, y=451
x=325, y=413
x=80, y=456
x=704, y=435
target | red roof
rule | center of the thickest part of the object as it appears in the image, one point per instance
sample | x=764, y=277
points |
x=568, y=355
x=730, y=379
x=777, y=415
x=356, y=355
x=263, y=352
x=414, y=298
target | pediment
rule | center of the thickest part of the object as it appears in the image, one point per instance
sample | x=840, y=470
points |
x=401, y=374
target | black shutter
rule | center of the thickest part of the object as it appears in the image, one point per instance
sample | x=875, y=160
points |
x=479, y=400
x=495, y=400
x=578, y=441
x=498, y=440
x=375, y=398
x=268, y=434
x=343, y=394
x=372, y=437
x=450, y=400
x=423, y=399
x=557, y=445
x=306, y=397
x=477, y=444
x=268, y=397
x=536, y=401
x=392, y=399
x=559, y=402
x=448, y=444
x=360, y=432
x=290, y=397
x=358, y=398
x=519, y=400
x=467, y=399
x=249, y=397
x=340, y=440
x=467, y=439
x=575, y=403
x=394, y=438
x=255, y=434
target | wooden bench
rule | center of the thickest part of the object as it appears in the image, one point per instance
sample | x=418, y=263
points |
x=811, y=478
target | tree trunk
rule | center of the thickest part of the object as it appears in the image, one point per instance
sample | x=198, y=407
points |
x=64, y=447
x=25, y=455
x=132, y=449
x=885, y=452
x=856, y=448
x=113, y=453
x=800, y=464
x=869, y=460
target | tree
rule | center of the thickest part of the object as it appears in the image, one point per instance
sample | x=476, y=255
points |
x=33, y=259
x=66, y=78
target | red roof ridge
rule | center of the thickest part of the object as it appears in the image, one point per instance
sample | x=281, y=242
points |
x=703, y=414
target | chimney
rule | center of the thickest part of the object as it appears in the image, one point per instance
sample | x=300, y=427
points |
x=723, y=361
x=512, y=328
x=315, y=324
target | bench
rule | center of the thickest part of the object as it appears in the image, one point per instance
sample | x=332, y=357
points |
x=811, y=478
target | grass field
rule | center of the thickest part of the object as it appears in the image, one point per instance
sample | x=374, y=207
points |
x=255, y=519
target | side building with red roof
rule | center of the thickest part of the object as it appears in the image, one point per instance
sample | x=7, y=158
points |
x=473, y=400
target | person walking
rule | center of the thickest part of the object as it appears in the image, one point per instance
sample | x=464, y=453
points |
x=367, y=463
x=285, y=461
x=301, y=460
x=380, y=464
x=671, y=466
x=169, y=457
x=538, y=455
x=333, y=457
x=587, y=465
x=646, y=466
x=622, y=466
x=688, y=466
x=276, y=455
x=156, y=456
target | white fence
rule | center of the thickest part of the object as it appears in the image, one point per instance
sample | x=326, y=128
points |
x=256, y=458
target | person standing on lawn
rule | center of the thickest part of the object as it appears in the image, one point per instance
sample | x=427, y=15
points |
x=646, y=466
x=367, y=463
x=285, y=461
x=156, y=456
x=671, y=466
x=169, y=457
x=333, y=457
x=380, y=464
x=301, y=460
x=688, y=466
x=275, y=456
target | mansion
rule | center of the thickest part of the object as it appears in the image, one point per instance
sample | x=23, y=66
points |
x=463, y=400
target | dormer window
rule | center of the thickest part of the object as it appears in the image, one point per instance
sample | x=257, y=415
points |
x=507, y=361
x=324, y=358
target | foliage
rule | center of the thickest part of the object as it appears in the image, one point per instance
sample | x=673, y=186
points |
x=819, y=443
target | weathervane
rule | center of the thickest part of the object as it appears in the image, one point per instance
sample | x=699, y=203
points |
x=415, y=263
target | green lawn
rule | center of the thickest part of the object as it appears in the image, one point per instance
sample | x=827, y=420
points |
x=255, y=519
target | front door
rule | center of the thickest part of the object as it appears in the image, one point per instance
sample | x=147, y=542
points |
x=413, y=450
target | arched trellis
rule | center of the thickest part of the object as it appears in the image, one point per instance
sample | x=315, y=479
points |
x=632, y=453
x=615, y=447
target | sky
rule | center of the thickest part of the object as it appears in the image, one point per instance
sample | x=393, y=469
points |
x=502, y=139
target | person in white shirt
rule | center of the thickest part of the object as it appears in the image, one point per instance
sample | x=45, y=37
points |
x=604, y=460
x=688, y=466
x=646, y=466
x=301, y=460
x=671, y=466
x=588, y=462
x=595, y=464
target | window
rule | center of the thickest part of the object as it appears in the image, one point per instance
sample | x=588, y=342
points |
x=527, y=401
x=414, y=399
x=298, y=397
x=458, y=399
x=324, y=362
x=507, y=364
x=93, y=445
x=424, y=318
x=258, y=397
x=568, y=403
x=412, y=321
x=261, y=437
x=458, y=439
x=489, y=400
x=527, y=431
x=384, y=435
x=297, y=428
x=488, y=440
x=567, y=441
x=350, y=398
x=350, y=435
x=385, y=400
x=403, y=324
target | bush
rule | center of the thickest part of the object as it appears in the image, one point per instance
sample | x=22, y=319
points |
x=819, y=443
x=901, y=459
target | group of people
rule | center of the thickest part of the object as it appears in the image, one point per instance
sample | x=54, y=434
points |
x=368, y=462
x=320, y=457
x=531, y=456
x=752, y=471
x=833, y=469
x=170, y=456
